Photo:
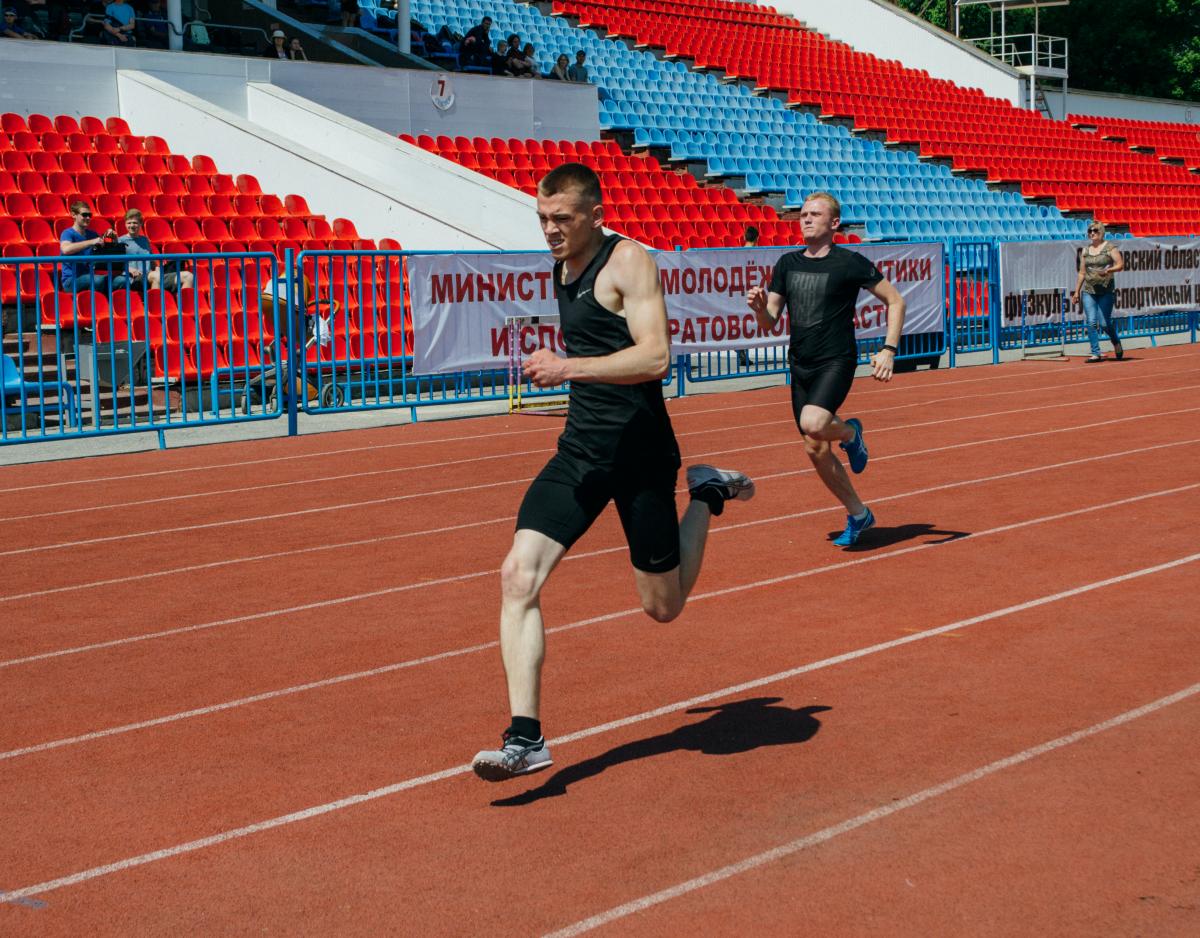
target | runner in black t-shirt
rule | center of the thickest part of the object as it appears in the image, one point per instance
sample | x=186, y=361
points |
x=819, y=286
x=617, y=446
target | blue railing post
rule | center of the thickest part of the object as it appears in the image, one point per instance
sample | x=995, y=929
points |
x=995, y=300
x=952, y=306
x=680, y=375
x=289, y=307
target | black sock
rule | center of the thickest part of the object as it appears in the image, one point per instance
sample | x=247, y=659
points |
x=526, y=728
x=713, y=499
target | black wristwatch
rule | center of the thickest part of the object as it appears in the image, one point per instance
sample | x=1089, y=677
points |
x=890, y=348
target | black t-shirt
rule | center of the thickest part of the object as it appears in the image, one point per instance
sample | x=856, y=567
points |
x=821, y=294
x=609, y=426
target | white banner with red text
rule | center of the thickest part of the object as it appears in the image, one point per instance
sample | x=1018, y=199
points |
x=1159, y=275
x=460, y=301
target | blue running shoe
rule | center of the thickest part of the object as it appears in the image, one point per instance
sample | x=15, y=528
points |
x=856, y=449
x=854, y=528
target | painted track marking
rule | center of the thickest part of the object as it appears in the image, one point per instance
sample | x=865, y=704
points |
x=342, y=803
x=481, y=436
x=570, y=626
x=868, y=817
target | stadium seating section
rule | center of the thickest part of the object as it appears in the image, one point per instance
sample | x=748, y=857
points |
x=190, y=208
x=755, y=140
x=1049, y=159
x=1178, y=142
x=660, y=208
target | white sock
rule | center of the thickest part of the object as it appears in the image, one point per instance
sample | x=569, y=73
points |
x=860, y=517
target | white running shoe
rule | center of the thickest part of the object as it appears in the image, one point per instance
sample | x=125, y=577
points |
x=728, y=484
x=518, y=756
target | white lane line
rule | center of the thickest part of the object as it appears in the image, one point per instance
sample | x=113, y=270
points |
x=431, y=531
x=896, y=389
x=379, y=501
x=472, y=649
x=867, y=817
x=192, y=846
x=166, y=633
x=390, y=499
x=395, y=470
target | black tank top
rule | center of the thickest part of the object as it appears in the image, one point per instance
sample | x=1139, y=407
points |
x=608, y=424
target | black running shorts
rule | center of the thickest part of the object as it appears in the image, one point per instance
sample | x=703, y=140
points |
x=569, y=494
x=824, y=384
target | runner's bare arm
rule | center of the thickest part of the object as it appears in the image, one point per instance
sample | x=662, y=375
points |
x=883, y=362
x=634, y=275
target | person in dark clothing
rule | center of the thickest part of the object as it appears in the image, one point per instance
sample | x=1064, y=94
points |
x=617, y=446
x=819, y=287
x=476, y=48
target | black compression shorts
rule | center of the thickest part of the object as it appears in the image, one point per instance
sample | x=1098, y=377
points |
x=569, y=494
x=824, y=384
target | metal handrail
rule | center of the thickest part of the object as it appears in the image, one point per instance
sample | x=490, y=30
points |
x=1025, y=49
x=96, y=18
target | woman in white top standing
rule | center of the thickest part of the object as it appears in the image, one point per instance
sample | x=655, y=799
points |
x=1098, y=262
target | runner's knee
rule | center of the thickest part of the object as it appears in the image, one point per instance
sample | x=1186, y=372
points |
x=661, y=610
x=519, y=580
x=815, y=449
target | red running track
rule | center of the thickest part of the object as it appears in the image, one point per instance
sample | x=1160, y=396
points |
x=242, y=682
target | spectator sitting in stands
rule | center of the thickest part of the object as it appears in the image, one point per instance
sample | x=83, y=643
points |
x=120, y=20
x=12, y=29
x=510, y=49
x=152, y=25
x=476, y=49
x=296, y=51
x=418, y=38
x=578, y=71
x=560, y=69
x=137, y=243
x=278, y=48
x=522, y=64
x=79, y=241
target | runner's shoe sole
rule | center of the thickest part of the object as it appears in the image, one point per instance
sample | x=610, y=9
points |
x=512, y=760
x=730, y=484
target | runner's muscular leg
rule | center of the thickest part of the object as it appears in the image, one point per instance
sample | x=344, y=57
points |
x=820, y=428
x=817, y=423
x=522, y=637
x=664, y=594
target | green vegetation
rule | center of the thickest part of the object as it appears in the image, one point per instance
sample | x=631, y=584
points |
x=1142, y=47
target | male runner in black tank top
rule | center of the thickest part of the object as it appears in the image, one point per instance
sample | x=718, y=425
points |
x=617, y=446
x=819, y=286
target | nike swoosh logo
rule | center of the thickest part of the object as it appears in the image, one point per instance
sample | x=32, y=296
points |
x=582, y=293
x=655, y=561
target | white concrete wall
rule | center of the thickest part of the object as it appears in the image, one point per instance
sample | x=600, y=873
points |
x=60, y=78
x=398, y=101
x=1128, y=106
x=438, y=188
x=378, y=209
x=890, y=33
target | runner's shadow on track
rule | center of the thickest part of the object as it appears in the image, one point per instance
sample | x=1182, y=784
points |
x=733, y=728
x=876, y=537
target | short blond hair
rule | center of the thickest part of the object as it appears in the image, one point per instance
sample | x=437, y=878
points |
x=1096, y=223
x=834, y=205
x=134, y=213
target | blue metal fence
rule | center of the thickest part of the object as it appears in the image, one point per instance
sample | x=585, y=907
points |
x=226, y=338
x=97, y=346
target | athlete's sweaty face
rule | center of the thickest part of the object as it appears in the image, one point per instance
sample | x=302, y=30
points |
x=817, y=220
x=569, y=222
